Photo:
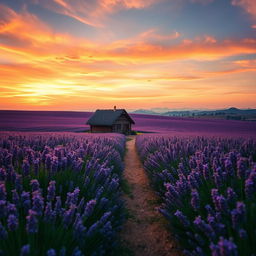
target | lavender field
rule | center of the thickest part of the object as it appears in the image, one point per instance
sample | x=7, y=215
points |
x=208, y=190
x=60, y=193
x=49, y=121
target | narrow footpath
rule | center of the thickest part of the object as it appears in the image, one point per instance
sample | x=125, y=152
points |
x=144, y=232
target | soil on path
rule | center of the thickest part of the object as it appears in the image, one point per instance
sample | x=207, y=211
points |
x=144, y=233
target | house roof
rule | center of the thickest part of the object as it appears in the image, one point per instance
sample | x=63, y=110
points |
x=107, y=117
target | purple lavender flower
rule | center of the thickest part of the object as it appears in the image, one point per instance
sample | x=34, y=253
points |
x=182, y=218
x=34, y=185
x=3, y=174
x=113, y=185
x=241, y=168
x=227, y=247
x=25, y=250
x=38, y=202
x=12, y=222
x=215, y=250
x=104, y=218
x=36, y=163
x=32, y=222
x=235, y=217
x=78, y=165
x=241, y=209
x=89, y=208
x=192, y=181
x=171, y=191
x=80, y=206
x=74, y=196
x=54, y=165
x=2, y=192
x=25, y=199
x=92, y=230
x=204, y=227
x=8, y=159
x=58, y=210
x=62, y=251
x=3, y=232
x=215, y=194
x=79, y=229
x=51, y=190
x=192, y=162
x=107, y=230
x=15, y=197
x=49, y=214
x=51, y=252
x=3, y=209
x=222, y=204
x=25, y=167
x=11, y=209
x=242, y=233
x=206, y=172
x=195, y=200
x=229, y=167
x=231, y=196
x=64, y=163
x=18, y=182
x=250, y=188
x=48, y=161
x=77, y=252
x=217, y=227
x=69, y=215
x=218, y=180
x=209, y=209
x=87, y=181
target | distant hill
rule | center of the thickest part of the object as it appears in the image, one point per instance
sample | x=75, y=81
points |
x=145, y=112
x=230, y=113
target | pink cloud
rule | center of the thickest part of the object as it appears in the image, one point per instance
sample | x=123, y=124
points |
x=93, y=12
x=248, y=5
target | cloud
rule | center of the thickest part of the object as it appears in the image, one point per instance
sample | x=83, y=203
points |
x=248, y=5
x=40, y=66
x=94, y=12
x=32, y=40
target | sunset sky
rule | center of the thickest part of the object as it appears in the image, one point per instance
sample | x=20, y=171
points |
x=89, y=54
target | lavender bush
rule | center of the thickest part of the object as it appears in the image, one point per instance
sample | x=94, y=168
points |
x=208, y=187
x=59, y=193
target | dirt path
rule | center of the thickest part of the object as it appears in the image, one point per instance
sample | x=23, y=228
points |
x=144, y=232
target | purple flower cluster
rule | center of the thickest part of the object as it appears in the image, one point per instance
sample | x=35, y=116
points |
x=60, y=191
x=208, y=187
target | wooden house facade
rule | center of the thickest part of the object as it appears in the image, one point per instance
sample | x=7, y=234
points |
x=111, y=120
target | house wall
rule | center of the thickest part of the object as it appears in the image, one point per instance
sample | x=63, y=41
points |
x=95, y=128
x=122, y=124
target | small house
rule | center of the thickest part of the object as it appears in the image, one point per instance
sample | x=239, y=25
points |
x=111, y=120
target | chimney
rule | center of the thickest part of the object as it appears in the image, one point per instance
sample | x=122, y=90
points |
x=114, y=108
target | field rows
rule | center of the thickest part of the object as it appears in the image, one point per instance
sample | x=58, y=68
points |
x=60, y=194
x=208, y=189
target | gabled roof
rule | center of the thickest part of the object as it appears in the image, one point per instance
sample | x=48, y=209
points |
x=107, y=117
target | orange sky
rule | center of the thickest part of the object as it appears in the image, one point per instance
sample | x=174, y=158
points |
x=60, y=56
